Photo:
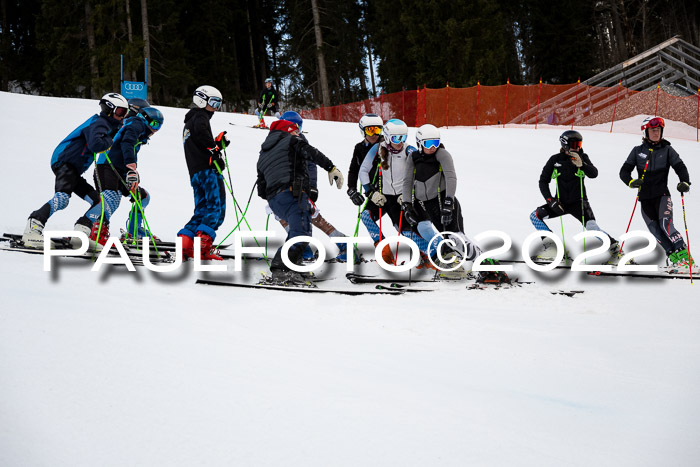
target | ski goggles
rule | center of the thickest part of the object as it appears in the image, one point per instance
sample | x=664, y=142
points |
x=155, y=125
x=373, y=130
x=215, y=102
x=430, y=143
x=575, y=145
x=656, y=122
x=120, y=112
x=398, y=139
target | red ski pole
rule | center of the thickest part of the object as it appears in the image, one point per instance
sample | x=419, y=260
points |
x=636, y=200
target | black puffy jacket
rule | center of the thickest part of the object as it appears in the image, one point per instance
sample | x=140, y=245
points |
x=283, y=162
x=661, y=158
x=197, y=139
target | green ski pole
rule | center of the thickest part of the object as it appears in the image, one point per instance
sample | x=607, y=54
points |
x=555, y=176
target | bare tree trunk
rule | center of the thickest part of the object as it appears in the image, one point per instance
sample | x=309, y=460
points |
x=234, y=67
x=322, y=76
x=130, y=34
x=146, y=47
x=4, y=48
x=371, y=71
x=619, y=33
x=252, y=51
x=90, y=31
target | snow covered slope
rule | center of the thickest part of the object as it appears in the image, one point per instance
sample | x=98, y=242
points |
x=117, y=368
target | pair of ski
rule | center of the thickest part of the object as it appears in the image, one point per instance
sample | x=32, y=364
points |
x=13, y=242
x=310, y=287
x=382, y=286
x=663, y=272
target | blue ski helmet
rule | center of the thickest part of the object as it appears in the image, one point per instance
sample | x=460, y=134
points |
x=153, y=117
x=293, y=117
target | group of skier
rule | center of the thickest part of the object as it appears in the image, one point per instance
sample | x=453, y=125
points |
x=112, y=140
x=414, y=185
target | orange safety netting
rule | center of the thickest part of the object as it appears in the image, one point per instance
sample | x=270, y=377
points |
x=569, y=104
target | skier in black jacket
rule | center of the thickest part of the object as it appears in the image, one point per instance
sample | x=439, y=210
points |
x=267, y=101
x=371, y=129
x=203, y=154
x=283, y=180
x=569, y=168
x=652, y=188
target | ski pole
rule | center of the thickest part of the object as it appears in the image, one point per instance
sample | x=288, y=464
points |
x=555, y=176
x=687, y=239
x=243, y=213
x=396, y=258
x=102, y=203
x=581, y=175
x=228, y=172
x=636, y=200
x=136, y=200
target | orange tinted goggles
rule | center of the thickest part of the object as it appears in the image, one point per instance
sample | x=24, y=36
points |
x=373, y=130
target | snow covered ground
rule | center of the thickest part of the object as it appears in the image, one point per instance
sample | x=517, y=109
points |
x=142, y=369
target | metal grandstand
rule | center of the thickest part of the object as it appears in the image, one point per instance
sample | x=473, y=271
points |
x=674, y=65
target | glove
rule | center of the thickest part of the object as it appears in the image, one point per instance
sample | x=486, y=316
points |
x=356, y=198
x=400, y=200
x=377, y=198
x=409, y=214
x=260, y=105
x=132, y=180
x=269, y=106
x=313, y=194
x=575, y=159
x=446, y=211
x=555, y=206
x=217, y=157
x=683, y=187
x=336, y=176
x=635, y=183
x=222, y=141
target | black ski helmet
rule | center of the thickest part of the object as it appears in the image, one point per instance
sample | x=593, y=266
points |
x=571, y=139
x=136, y=104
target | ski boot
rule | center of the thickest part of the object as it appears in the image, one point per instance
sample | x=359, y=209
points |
x=681, y=262
x=387, y=255
x=342, y=256
x=99, y=235
x=187, y=247
x=308, y=255
x=207, y=247
x=287, y=278
x=33, y=236
x=492, y=277
x=448, y=268
x=425, y=263
x=549, y=252
x=616, y=254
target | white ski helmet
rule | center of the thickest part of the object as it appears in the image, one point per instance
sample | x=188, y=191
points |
x=114, y=104
x=428, y=136
x=370, y=120
x=204, y=95
x=395, y=131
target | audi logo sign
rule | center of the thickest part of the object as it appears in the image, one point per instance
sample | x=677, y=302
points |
x=133, y=86
x=134, y=89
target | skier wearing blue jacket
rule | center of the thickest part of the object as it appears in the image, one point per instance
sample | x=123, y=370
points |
x=116, y=175
x=72, y=158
